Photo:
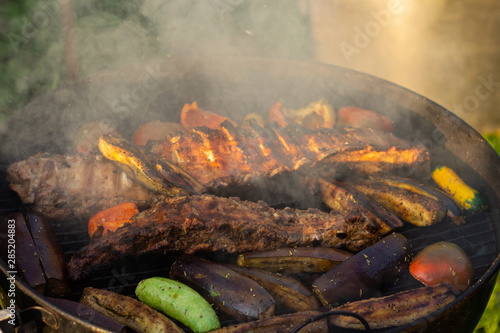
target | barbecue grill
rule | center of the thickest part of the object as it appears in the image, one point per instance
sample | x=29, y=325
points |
x=234, y=87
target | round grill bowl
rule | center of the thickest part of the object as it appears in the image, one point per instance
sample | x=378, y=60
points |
x=234, y=87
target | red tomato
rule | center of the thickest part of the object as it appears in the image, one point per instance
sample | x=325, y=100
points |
x=192, y=116
x=317, y=114
x=112, y=218
x=88, y=135
x=357, y=117
x=154, y=130
x=443, y=262
x=276, y=114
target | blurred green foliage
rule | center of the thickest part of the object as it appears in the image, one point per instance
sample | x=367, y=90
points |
x=490, y=321
x=494, y=140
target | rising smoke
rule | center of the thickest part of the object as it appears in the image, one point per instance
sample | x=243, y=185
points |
x=112, y=36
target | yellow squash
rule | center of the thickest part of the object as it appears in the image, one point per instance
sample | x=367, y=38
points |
x=463, y=194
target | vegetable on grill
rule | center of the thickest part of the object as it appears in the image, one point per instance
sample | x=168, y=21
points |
x=361, y=118
x=284, y=289
x=19, y=252
x=293, y=260
x=179, y=302
x=111, y=219
x=231, y=293
x=366, y=273
x=154, y=130
x=443, y=262
x=463, y=194
x=344, y=199
x=33, y=253
x=396, y=310
x=50, y=254
x=316, y=114
x=454, y=211
x=128, y=311
x=411, y=207
x=193, y=116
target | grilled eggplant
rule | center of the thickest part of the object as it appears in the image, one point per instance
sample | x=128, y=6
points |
x=396, y=310
x=50, y=254
x=285, y=290
x=128, y=311
x=232, y=293
x=153, y=171
x=366, y=273
x=20, y=252
x=345, y=201
x=415, y=208
x=86, y=313
x=295, y=260
x=280, y=324
x=454, y=211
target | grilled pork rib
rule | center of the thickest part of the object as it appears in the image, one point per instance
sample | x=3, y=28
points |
x=62, y=186
x=209, y=223
x=237, y=152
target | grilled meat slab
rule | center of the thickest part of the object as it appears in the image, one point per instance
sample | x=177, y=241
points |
x=209, y=223
x=62, y=186
x=241, y=152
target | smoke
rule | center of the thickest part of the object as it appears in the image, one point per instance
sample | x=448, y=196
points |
x=110, y=36
x=113, y=35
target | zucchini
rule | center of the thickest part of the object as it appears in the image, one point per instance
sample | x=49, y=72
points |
x=463, y=194
x=179, y=302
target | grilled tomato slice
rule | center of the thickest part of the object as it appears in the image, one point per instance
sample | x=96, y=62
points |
x=443, y=262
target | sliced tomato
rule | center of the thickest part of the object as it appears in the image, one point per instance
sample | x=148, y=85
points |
x=154, y=130
x=111, y=219
x=88, y=135
x=361, y=118
x=317, y=114
x=192, y=116
x=277, y=115
x=443, y=262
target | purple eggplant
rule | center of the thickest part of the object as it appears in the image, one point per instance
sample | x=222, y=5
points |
x=366, y=273
x=50, y=254
x=284, y=289
x=20, y=253
x=294, y=260
x=230, y=292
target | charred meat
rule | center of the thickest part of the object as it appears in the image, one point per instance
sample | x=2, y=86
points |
x=61, y=186
x=237, y=152
x=207, y=223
